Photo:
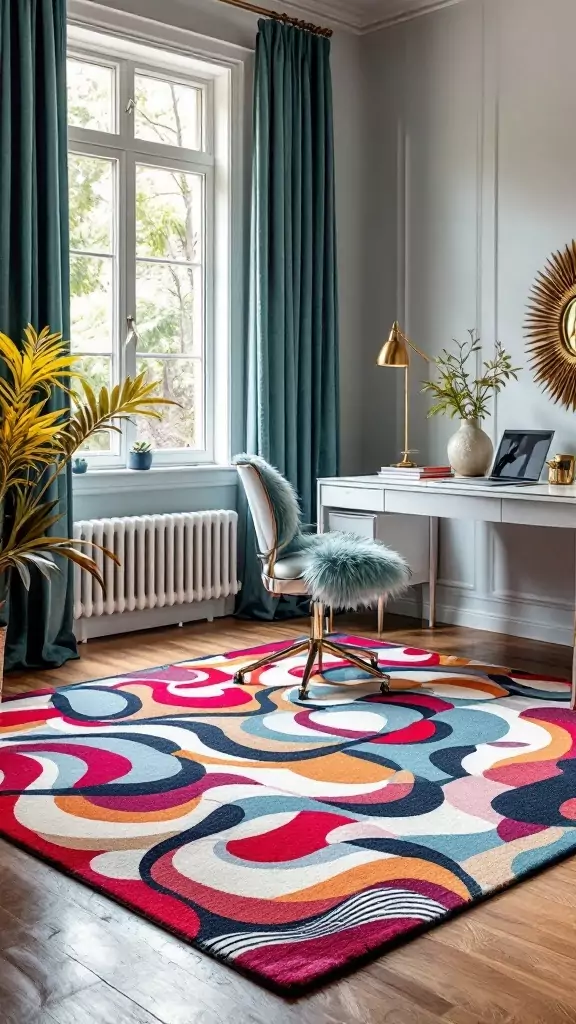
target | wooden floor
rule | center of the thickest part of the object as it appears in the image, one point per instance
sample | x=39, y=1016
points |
x=69, y=956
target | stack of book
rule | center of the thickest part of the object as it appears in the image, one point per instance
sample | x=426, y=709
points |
x=415, y=474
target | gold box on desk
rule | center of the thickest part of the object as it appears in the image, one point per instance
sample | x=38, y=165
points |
x=561, y=470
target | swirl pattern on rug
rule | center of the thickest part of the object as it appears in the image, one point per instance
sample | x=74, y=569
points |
x=289, y=838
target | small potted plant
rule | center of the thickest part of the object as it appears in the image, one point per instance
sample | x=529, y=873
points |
x=459, y=393
x=140, y=455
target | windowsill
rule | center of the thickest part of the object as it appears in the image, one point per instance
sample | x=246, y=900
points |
x=121, y=480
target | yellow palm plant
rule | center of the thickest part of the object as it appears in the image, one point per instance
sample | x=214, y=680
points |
x=36, y=443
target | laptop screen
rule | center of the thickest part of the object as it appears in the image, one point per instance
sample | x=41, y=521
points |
x=522, y=454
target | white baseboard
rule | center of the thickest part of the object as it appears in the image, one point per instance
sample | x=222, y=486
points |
x=152, y=618
x=529, y=620
x=455, y=607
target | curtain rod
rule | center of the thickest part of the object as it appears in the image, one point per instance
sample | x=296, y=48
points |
x=244, y=5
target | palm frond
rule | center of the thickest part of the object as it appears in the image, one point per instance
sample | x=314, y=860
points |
x=44, y=564
x=38, y=551
x=134, y=397
x=37, y=442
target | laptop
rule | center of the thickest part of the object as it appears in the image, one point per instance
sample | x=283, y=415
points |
x=519, y=461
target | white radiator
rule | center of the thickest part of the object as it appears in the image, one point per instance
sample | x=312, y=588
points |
x=173, y=568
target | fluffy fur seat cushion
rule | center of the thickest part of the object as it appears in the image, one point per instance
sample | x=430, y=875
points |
x=346, y=571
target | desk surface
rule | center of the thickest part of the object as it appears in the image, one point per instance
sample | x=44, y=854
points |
x=537, y=492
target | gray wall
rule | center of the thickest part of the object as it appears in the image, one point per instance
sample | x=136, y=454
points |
x=218, y=21
x=455, y=171
x=472, y=185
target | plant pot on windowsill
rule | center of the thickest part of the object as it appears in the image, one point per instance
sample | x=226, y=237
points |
x=140, y=456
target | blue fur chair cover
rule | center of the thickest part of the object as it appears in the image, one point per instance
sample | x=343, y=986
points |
x=283, y=499
x=341, y=570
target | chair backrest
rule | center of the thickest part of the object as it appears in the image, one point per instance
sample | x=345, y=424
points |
x=261, y=508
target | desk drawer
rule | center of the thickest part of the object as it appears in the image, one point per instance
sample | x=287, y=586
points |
x=539, y=513
x=364, y=525
x=360, y=499
x=408, y=535
x=445, y=505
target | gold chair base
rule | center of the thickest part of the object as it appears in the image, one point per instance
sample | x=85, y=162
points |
x=362, y=658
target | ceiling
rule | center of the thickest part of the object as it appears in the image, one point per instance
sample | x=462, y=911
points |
x=367, y=15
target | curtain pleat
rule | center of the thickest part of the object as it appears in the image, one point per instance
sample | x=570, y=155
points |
x=34, y=268
x=292, y=359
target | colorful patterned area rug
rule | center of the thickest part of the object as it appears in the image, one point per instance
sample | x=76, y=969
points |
x=291, y=839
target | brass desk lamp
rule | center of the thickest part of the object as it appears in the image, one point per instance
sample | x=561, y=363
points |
x=396, y=352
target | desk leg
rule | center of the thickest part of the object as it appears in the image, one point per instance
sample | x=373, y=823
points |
x=433, y=570
x=573, y=696
x=381, y=610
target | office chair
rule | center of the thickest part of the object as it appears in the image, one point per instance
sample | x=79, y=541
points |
x=334, y=570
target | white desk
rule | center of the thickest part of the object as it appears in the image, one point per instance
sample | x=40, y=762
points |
x=540, y=505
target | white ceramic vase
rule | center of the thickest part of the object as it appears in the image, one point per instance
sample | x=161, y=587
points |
x=470, y=450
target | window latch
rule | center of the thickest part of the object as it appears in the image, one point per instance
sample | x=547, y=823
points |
x=131, y=106
x=132, y=335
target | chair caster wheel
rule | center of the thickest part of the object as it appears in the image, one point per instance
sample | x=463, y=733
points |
x=239, y=679
x=384, y=686
x=302, y=694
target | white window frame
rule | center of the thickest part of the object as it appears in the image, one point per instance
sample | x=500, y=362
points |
x=128, y=151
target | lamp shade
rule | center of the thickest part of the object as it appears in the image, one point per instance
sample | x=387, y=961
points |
x=395, y=351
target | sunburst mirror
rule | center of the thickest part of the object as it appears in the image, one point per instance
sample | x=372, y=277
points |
x=551, y=327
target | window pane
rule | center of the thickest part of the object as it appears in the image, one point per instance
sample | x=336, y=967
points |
x=92, y=303
x=168, y=214
x=90, y=95
x=169, y=308
x=91, y=203
x=180, y=380
x=167, y=112
x=98, y=372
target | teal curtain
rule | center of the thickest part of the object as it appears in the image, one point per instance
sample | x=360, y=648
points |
x=34, y=265
x=292, y=358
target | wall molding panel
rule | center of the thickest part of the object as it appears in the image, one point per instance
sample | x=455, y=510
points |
x=507, y=596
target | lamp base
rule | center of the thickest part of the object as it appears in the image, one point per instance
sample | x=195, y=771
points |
x=406, y=462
